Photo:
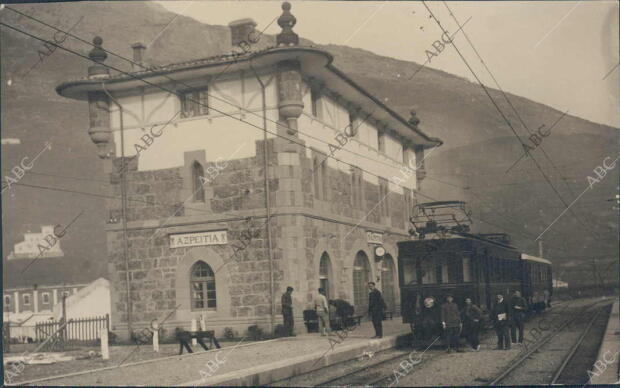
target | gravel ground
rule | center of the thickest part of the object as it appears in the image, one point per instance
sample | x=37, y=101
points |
x=441, y=369
x=180, y=369
x=118, y=354
x=477, y=368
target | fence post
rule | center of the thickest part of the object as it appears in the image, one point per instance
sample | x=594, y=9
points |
x=105, y=350
x=155, y=336
x=193, y=327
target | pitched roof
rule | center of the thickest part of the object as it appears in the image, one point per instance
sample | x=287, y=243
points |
x=48, y=271
x=319, y=65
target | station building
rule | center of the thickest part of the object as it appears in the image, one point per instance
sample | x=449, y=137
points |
x=203, y=141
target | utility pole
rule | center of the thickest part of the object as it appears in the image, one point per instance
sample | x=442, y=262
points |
x=124, y=210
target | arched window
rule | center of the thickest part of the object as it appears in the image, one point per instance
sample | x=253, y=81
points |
x=325, y=270
x=198, y=176
x=202, y=287
x=361, y=277
x=387, y=281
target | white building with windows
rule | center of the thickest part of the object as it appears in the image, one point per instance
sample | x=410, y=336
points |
x=37, y=245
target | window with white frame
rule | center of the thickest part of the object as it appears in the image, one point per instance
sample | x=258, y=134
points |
x=45, y=298
x=194, y=102
x=26, y=299
x=7, y=300
x=202, y=287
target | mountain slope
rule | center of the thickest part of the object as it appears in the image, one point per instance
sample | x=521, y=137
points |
x=479, y=145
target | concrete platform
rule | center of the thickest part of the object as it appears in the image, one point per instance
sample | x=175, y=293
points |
x=608, y=359
x=315, y=352
x=254, y=363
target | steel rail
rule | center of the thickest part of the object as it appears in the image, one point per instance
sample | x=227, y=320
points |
x=401, y=355
x=515, y=364
x=570, y=355
x=373, y=383
x=355, y=371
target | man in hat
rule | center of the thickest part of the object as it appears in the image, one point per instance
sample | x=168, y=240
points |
x=500, y=315
x=472, y=315
x=451, y=322
x=376, y=307
x=287, y=311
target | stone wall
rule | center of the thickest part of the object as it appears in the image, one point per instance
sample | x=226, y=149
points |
x=302, y=229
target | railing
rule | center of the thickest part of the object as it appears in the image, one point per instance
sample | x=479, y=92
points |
x=76, y=330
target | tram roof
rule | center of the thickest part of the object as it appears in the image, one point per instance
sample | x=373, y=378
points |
x=534, y=258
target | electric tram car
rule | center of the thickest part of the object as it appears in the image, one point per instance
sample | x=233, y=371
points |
x=465, y=266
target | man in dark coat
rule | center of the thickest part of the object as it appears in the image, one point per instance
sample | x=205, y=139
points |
x=500, y=315
x=429, y=320
x=287, y=311
x=376, y=306
x=451, y=322
x=472, y=315
x=519, y=307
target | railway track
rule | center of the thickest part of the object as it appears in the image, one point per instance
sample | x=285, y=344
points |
x=570, y=368
x=584, y=352
x=379, y=370
x=373, y=375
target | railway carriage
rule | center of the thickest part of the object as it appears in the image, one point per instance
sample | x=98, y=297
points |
x=536, y=274
x=466, y=265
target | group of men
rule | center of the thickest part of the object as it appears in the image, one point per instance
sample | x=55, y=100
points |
x=508, y=318
x=376, y=310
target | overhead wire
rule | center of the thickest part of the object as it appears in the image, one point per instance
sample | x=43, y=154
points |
x=506, y=119
x=200, y=103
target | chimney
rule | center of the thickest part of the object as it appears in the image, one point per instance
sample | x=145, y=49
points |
x=540, y=248
x=242, y=31
x=138, y=56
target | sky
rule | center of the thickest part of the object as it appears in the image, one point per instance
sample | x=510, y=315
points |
x=562, y=53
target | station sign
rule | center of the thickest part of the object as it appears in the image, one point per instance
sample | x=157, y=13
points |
x=218, y=237
x=374, y=237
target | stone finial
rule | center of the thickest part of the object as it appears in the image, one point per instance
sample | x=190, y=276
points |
x=414, y=120
x=286, y=21
x=98, y=55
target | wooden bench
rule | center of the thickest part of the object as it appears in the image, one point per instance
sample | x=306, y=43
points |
x=184, y=338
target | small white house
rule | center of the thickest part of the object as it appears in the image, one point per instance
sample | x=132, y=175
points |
x=91, y=301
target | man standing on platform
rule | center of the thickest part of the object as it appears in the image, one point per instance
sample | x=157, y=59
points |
x=451, y=322
x=519, y=307
x=376, y=306
x=500, y=315
x=322, y=311
x=472, y=315
x=287, y=311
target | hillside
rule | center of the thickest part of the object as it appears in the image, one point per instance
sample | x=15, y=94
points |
x=478, y=147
